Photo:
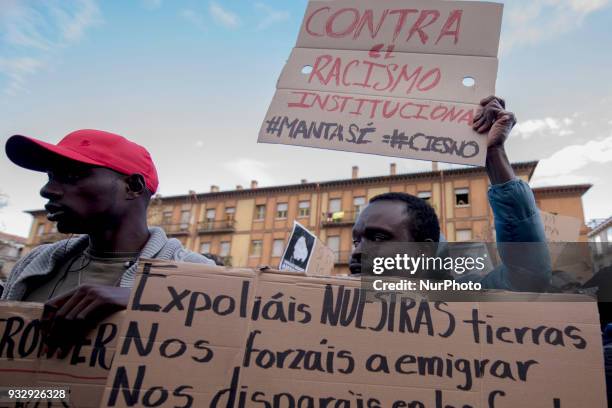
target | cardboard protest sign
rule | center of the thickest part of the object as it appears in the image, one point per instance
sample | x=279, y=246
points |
x=306, y=253
x=415, y=26
x=25, y=363
x=394, y=78
x=202, y=336
x=560, y=228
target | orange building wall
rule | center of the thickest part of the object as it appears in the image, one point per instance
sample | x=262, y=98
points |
x=475, y=217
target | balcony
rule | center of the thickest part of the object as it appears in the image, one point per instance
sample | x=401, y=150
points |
x=176, y=229
x=339, y=219
x=50, y=237
x=214, y=227
x=342, y=257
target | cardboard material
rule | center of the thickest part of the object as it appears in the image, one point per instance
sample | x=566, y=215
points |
x=306, y=253
x=322, y=260
x=561, y=234
x=205, y=336
x=428, y=130
x=560, y=228
x=24, y=364
x=394, y=22
x=388, y=78
x=402, y=76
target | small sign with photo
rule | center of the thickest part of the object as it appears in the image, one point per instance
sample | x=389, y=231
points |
x=299, y=250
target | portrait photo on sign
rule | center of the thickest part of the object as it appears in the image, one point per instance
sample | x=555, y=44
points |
x=299, y=250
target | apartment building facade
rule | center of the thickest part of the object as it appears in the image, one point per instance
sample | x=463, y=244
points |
x=250, y=226
x=600, y=238
x=11, y=247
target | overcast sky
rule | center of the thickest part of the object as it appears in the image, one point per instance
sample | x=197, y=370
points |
x=192, y=80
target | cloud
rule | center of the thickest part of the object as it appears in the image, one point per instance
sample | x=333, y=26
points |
x=544, y=127
x=193, y=17
x=32, y=32
x=587, y=6
x=151, y=4
x=4, y=200
x=47, y=25
x=249, y=169
x=199, y=144
x=530, y=22
x=73, y=22
x=272, y=16
x=224, y=17
x=17, y=70
x=563, y=164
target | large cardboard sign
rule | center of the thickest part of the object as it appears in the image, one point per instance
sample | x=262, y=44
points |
x=560, y=228
x=24, y=361
x=416, y=26
x=306, y=253
x=561, y=232
x=202, y=336
x=389, y=78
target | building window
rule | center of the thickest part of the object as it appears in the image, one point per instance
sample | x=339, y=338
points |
x=281, y=210
x=304, y=209
x=463, y=235
x=598, y=245
x=54, y=228
x=260, y=212
x=256, y=247
x=335, y=205
x=425, y=195
x=167, y=217
x=185, y=218
x=230, y=212
x=205, y=248
x=335, y=213
x=462, y=197
x=277, y=247
x=333, y=243
x=210, y=215
x=40, y=230
x=358, y=205
x=224, y=249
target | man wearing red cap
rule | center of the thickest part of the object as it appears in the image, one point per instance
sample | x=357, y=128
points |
x=100, y=185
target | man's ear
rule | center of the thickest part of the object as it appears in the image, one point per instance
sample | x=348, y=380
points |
x=430, y=247
x=135, y=186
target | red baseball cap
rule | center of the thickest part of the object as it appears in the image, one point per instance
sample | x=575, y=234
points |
x=88, y=146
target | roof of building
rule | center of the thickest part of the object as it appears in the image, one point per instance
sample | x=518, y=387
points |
x=595, y=222
x=323, y=185
x=528, y=166
x=601, y=227
x=12, y=238
x=572, y=188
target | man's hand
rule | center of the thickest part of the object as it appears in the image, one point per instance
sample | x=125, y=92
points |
x=493, y=118
x=67, y=318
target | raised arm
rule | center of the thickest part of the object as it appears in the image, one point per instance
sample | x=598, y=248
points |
x=497, y=122
x=518, y=225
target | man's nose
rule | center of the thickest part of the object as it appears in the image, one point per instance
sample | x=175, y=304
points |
x=356, y=253
x=51, y=190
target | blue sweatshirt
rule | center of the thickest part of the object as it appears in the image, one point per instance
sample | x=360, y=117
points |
x=525, y=267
